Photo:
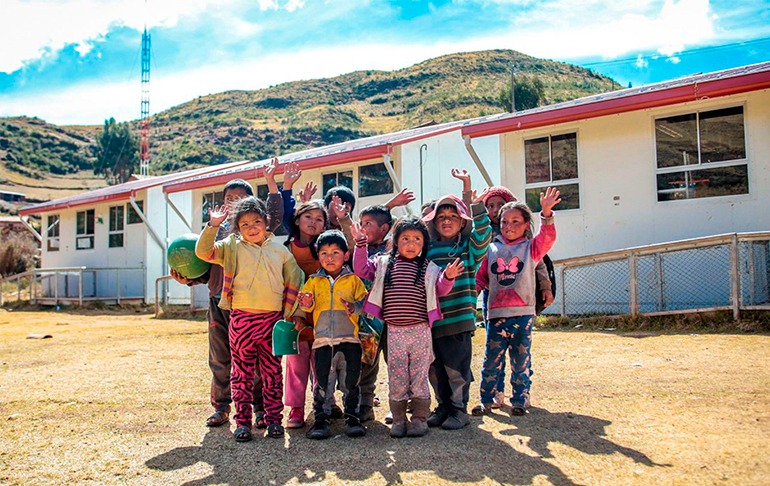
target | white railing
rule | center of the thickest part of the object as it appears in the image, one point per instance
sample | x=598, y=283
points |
x=723, y=272
x=69, y=285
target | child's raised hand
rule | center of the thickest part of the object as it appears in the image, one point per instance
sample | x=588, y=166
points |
x=549, y=200
x=463, y=175
x=306, y=194
x=291, y=174
x=218, y=215
x=404, y=197
x=338, y=207
x=479, y=198
x=270, y=169
x=305, y=299
x=454, y=269
x=359, y=234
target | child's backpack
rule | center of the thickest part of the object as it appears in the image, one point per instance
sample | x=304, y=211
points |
x=539, y=302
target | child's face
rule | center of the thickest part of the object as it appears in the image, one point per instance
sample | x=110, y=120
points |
x=410, y=243
x=448, y=223
x=513, y=224
x=332, y=258
x=374, y=231
x=311, y=223
x=252, y=228
x=234, y=195
x=494, y=204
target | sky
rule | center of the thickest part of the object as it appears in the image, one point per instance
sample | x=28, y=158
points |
x=78, y=62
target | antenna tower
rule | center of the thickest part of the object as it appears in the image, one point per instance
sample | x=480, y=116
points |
x=144, y=124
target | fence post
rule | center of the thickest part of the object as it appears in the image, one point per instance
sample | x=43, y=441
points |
x=117, y=286
x=56, y=288
x=563, y=292
x=633, y=305
x=659, y=270
x=80, y=288
x=735, y=290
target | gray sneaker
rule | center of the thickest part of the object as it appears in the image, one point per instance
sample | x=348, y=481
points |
x=437, y=417
x=456, y=420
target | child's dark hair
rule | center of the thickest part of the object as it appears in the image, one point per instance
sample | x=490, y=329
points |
x=248, y=205
x=525, y=211
x=428, y=205
x=294, y=227
x=404, y=224
x=379, y=213
x=331, y=237
x=238, y=184
x=345, y=194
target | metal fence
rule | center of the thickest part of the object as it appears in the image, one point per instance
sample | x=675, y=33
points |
x=70, y=285
x=724, y=272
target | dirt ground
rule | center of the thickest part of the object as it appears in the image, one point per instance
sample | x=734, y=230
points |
x=122, y=398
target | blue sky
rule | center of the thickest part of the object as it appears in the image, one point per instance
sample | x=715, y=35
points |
x=79, y=61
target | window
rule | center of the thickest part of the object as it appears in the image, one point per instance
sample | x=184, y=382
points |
x=262, y=192
x=52, y=232
x=552, y=161
x=210, y=200
x=701, y=155
x=115, y=237
x=133, y=217
x=84, y=230
x=374, y=180
x=337, y=179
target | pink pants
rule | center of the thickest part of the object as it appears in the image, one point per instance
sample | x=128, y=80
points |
x=297, y=375
x=410, y=353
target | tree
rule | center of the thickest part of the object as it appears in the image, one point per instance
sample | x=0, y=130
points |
x=528, y=91
x=117, y=152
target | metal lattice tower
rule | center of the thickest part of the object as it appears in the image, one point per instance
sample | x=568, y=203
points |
x=144, y=124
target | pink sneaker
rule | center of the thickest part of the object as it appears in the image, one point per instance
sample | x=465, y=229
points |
x=296, y=418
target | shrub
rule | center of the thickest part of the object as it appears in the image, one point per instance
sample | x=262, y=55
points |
x=18, y=252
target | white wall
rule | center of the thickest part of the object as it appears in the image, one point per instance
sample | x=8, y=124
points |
x=440, y=154
x=616, y=157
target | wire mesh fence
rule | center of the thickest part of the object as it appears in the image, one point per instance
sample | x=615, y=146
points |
x=721, y=272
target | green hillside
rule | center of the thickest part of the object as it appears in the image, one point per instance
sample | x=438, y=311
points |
x=237, y=125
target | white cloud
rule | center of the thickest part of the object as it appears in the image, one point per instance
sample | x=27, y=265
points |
x=641, y=62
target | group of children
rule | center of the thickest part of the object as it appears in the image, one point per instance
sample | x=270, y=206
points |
x=354, y=289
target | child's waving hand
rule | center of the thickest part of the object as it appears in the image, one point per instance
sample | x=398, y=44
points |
x=454, y=269
x=359, y=234
x=291, y=174
x=464, y=176
x=217, y=215
x=306, y=193
x=480, y=197
x=549, y=200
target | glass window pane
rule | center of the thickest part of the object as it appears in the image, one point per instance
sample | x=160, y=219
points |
x=338, y=179
x=80, y=223
x=536, y=160
x=209, y=201
x=721, y=181
x=90, y=222
x=569, y=193
x=116, y=240
x=722, y=135
x=262, y=192
x=374, y=180
x=132, y=216
x=564, y=155
x=116, y=218
x=53, y=226
x=676, y=141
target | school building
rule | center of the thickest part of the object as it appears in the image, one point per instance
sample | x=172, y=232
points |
x=656, y=163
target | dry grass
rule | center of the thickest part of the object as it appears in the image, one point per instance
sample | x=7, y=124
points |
x=121, y=398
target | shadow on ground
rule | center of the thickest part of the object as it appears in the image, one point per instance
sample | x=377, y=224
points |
x=469, y=455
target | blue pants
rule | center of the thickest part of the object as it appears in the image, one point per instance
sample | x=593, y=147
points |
x=513, y=334
x=500, y=385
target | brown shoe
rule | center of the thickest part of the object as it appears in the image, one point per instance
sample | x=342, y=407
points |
x=220, y=417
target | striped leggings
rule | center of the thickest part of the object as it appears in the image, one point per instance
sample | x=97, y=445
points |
x=251, y=344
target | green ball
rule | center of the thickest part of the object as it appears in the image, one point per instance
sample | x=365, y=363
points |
x=182, y=258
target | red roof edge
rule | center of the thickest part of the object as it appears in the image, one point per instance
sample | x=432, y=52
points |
x=309, y=163
x=680, y=94
x=66, y=205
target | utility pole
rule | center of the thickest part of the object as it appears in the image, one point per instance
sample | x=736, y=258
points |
x=144, y=124
x=513, y=88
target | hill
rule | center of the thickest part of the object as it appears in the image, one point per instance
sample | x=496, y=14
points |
x=237, y=125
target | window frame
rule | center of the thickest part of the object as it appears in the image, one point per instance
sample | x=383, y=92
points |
x=132, y=217
x=689, y=168
x=114, y=232
x=53, y=241
x=85, y=235
x=337, y=173
x=389, y=182
x=217, y=198
x=537, y=187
